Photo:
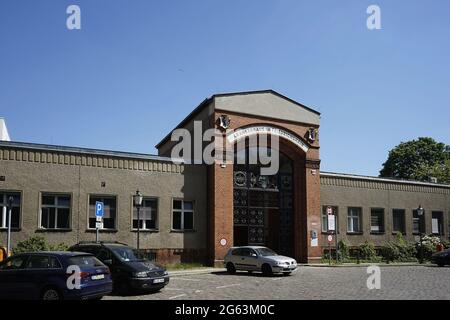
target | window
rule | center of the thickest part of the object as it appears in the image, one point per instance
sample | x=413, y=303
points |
x=15, y=212
x=325, y=218
x=183, y=215
x=354, y=220
x=15, y=262
x=42, y=262
x=418, y=223
x=109, y=214
x=377, y=220
x=398, y=221
x=148, y=215
x=55, y=211
x=437, y=223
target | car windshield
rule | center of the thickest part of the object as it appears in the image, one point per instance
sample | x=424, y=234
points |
x=125, y=253
x=85, y=261
x=265, y=252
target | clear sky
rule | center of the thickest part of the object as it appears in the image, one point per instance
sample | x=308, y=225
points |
x=136, y=68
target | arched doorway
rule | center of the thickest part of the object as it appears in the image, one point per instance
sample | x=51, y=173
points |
x=263, y=206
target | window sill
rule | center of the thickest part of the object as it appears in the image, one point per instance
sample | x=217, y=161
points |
x=102, y=230
x=327, y=233
x=53, y=230
x=12, y=229
x=145, y=230
x=183, y=231
x=377, y=233
x=355, y=233
x=397, y=232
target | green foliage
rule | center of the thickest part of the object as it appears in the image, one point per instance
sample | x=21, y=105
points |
x=418, y=160
x=343, y=250
x=367, y=251
x=37, y=243
x=399, y=250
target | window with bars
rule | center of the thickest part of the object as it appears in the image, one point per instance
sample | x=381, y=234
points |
x=377, y=220
x=398, y=220
x=182, y=215
x=55, y=211
x=148, y=215
x=15, y=211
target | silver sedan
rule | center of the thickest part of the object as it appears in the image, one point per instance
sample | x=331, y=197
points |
x=255, y=258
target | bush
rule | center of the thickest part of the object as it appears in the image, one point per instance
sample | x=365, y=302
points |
x=343, y=250
x=37, y=243
x=398, y=250
x=367, y=251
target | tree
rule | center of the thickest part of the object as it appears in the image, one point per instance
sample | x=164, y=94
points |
x=419, y=160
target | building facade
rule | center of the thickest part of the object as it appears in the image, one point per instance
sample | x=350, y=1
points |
x=196, y=212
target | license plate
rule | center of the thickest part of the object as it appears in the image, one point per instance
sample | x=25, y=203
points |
x=161, y=280
x=98, y=277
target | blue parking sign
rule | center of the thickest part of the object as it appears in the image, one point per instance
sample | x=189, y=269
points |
x=99, y=206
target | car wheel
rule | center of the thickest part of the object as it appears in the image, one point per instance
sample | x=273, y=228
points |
x=286, y=274
x=51, y=294
x=266, y=270
x=230, y=268
x=440, y=264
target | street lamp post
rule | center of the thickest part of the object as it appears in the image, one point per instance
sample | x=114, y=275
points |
x=10, y=204
x=420, y=212
x=137, y=200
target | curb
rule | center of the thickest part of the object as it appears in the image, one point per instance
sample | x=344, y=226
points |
x=181, y=273
x=355, y=265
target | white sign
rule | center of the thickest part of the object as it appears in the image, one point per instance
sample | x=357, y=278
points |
x=329, y=210
x=223, y=242
x=331, y=222
x=245, y=132
x=435, y=226
x=330, y=238
x=314, y=242
x=98, y=219
x=99, y=225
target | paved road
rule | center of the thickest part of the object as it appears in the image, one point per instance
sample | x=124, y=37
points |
x=405, y=282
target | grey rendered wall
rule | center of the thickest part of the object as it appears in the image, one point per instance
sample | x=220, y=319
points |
x=165, y=182
x=346, y=193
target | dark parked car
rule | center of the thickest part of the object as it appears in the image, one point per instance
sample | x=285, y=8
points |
x=441, y=258
x=45, y=275
x=129, y=272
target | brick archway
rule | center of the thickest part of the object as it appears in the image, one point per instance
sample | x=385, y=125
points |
x=306, y=197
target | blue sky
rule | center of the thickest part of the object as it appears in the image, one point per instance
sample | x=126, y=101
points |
x=136, y=68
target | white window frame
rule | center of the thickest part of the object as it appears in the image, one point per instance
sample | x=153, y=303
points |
x=4, y=212
x=351, y=217
x=144, y=227
x=56, y=206
x=182, y=211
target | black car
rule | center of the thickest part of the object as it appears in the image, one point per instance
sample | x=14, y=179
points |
x=441, y=258
x=47, y=276
x=129, y=272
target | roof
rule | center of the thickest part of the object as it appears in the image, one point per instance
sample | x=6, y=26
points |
x=390, y=180
x=207, y=101
x=77, y=150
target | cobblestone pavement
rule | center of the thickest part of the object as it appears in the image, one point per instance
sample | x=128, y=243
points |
x=405, y=282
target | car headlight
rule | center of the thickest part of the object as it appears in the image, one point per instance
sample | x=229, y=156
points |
x=279, y=263
x=141, y=274
x=166, y=273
